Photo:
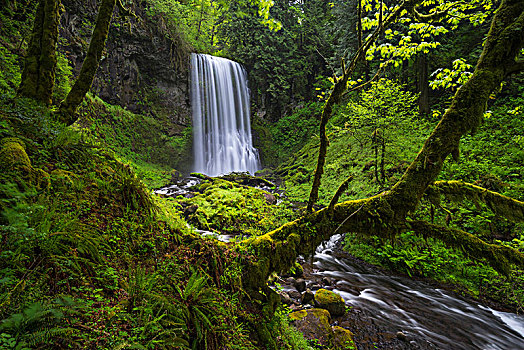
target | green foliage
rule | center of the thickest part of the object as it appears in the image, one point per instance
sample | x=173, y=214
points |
x=385, y=107
x=286, y=336
x=10, y=74
x=451, y=78
x=138, y=140
x=38, y=325
x=63, y=80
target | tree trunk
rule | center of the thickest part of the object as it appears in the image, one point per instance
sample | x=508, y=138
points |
x=38, y=76
x=423, y=85
x=90, y=64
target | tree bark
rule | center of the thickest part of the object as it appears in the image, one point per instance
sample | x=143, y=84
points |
x=90, y=65
x=38, y=75
x=423, y=85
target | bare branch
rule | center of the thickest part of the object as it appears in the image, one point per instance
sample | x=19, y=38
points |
x=340, y=190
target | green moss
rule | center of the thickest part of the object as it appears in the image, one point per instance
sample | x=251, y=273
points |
x=297, y=315
x=16, y=165
x=343, y=339
x=330, y=301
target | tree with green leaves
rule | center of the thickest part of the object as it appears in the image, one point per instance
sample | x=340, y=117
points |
x=392, y=211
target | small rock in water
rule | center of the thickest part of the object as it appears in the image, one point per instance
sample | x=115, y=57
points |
x=294, y=294
x=326, y=281
x=300, y=285
x=315, y=286
x=308, y=296
x=285, y=298
x=402, y=336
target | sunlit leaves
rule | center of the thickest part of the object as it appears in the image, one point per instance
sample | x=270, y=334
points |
x=408, y=37
x=451, y=78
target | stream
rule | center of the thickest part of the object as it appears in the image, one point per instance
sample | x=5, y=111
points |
x=424, y=317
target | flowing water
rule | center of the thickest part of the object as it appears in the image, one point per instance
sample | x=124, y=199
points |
x=221, y=126
x=430, y=318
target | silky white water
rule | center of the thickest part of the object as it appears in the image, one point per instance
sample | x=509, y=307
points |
x=221, y=126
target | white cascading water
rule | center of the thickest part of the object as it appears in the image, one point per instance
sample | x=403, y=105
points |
x=221, y=127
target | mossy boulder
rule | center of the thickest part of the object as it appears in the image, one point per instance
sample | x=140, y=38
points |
x=330, y=301
x=15, y=165
x=314, y=324
x=343, y=339
x=13, y=156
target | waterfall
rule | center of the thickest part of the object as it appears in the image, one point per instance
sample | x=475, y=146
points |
x=221, y=127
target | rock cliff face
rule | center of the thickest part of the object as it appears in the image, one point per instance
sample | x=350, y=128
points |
x=144, y=69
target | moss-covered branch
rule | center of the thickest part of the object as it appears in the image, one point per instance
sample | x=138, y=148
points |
x=456, y=191
x=499, y=257
x=501, y=47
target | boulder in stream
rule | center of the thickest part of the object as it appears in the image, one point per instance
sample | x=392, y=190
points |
x=314, y=324
x=343, y=338
x=330, y=301
x=307, y=297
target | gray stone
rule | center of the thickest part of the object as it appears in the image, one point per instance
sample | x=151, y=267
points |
x=300, y=285
x=307, y=296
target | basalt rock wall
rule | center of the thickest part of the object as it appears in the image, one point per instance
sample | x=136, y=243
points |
x=145, y=63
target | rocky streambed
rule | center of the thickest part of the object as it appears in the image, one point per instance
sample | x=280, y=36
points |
x=394, y=312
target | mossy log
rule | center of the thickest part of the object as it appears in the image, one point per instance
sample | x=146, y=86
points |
x=499, y=257
x=458, y=191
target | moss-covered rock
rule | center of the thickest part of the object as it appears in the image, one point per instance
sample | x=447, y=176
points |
x=343, y=339
x=330, y=301
x=15, y=165
x=314, y=324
